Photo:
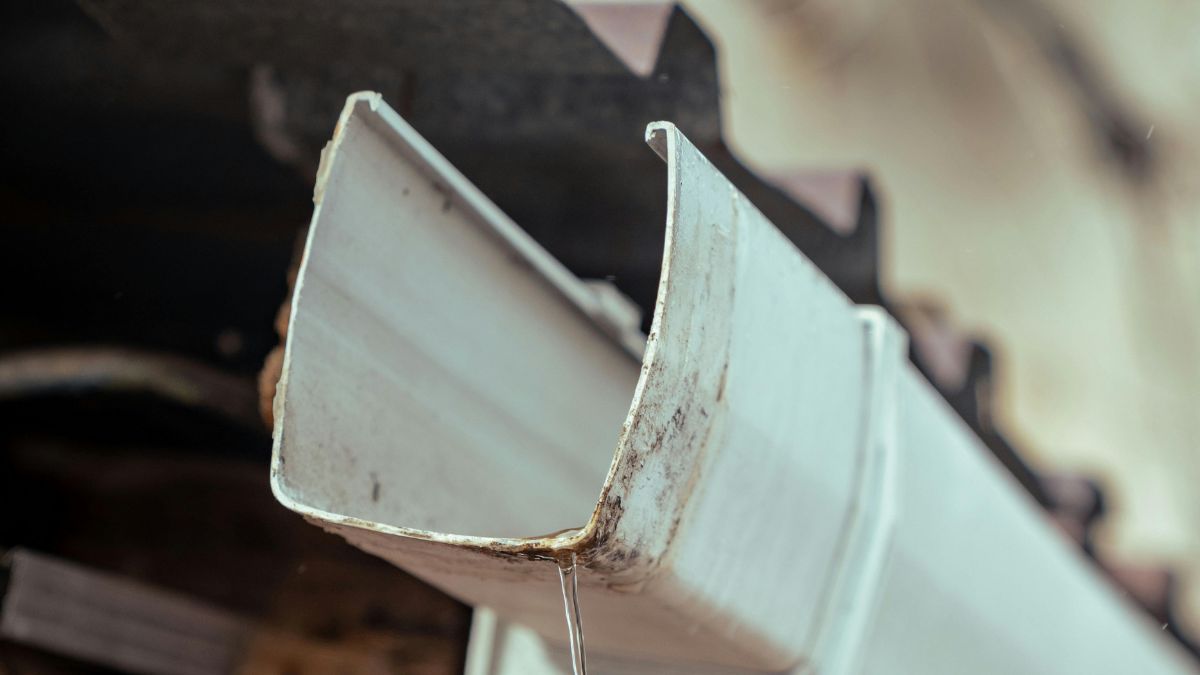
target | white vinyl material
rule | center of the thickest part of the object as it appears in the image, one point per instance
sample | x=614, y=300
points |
x=774, y=489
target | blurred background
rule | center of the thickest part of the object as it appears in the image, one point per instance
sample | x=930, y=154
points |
x=1018, y=181
x=1039, y=169
x=1039, y=166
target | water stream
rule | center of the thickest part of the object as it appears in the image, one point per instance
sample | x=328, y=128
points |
x=570, y=593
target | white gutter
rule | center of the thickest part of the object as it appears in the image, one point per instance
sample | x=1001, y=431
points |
x=786, y=491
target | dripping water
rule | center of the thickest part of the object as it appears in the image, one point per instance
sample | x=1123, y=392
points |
x=570, y=594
